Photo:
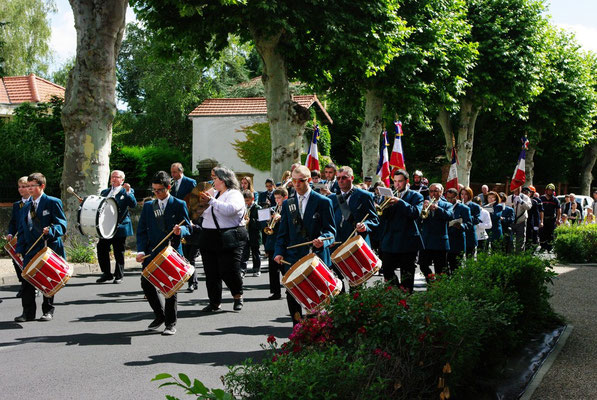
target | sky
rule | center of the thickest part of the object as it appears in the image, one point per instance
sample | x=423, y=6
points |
x=578, y=16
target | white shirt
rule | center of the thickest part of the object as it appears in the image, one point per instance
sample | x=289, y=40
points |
x=114, y=191
x=520, y=204
x=164, y=203
x=229, y=209
x=344, y=193
x=177, y=182
x=484, y=223
x=302, y=200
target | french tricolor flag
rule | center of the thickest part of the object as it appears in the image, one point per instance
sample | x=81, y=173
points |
x=397, y=157
x=312, y=161
x=519, y=176
x=383, y=166
x=453, y=173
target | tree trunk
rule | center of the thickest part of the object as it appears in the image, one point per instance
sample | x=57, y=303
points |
x=588, y=163
x=90, y=104
x=467, y=117
x=529, y=165
x=372, y=126
x=286, y=117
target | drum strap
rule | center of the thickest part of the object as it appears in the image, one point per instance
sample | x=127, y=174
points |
x=159, y=215
x=297, y=220
x=344, y=208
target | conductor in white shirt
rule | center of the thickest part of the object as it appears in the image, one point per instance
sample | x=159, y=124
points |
x=223, y=238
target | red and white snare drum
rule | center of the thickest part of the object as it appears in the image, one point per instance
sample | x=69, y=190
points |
x=48, y=272
x=168, y=271
x=11, y=248
x=311, y=282
x=356, y=260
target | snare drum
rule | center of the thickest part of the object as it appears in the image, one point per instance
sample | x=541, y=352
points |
x=11, y=248
x=311, y=282
x=98, y=216
x=356, y=260
x=48, y=272
x=168, y=271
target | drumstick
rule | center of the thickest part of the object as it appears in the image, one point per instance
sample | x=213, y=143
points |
x=72, y=191
x=163, y=240
x=299, y=245
x=285, y=262
x=33, y=245
x=355, y=229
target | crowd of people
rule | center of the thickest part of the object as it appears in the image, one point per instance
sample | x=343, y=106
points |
x=420, y=224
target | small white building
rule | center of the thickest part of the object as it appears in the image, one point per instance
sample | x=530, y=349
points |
x=16, y=90
x=217, y=124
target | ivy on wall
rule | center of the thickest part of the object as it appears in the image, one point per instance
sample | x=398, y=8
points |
x=256, y=149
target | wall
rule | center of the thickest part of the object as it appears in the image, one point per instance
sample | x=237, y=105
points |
x=213, y=138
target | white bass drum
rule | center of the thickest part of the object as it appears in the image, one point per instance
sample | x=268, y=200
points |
x=98, y=216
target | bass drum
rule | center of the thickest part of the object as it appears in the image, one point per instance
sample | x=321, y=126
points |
x=98, y=216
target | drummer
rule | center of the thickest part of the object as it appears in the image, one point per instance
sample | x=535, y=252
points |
x=125, y=198
x=158, y=218
x=17, y=206
x=306, y=217
x=44, y=217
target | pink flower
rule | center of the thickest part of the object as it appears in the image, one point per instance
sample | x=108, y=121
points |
x=402, y=303
x=362, y=330
x=274, y=358
x=271, y=339
x=356, y=295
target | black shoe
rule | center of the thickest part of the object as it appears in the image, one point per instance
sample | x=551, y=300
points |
x=23, y=318
x=275, y=296
x=19, y=294
x=117, y=280
x=238, y=304
x=103, y=279
x=155, y=324
x=211, y=308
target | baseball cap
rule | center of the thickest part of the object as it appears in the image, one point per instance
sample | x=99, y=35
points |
x=368, y=179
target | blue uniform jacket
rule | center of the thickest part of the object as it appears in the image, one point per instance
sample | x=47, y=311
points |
x=507, y=218
x=458, y=236
x=495, y=233
x=435, y=227
x=13, y=227
x=49, y=214
x=360, y=203
x=265, y=200
x=186, y=186
x=149, y=233
x=318, y=221
x=471, y=236
x=400, y=232
x=124, y=201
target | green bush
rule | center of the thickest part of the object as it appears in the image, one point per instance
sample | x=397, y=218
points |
x=80, y=252
x=576, y=243
x=3, y=242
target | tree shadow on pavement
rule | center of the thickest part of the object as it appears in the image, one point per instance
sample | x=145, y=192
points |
x=265, y=330
x=84, y=339
x=219, y=358
x=10, y=325
x=124, y=317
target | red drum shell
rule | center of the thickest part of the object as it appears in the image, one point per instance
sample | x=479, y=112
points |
x=356, y=260
x=48, y=272
x=311, y=282
x=11, y=248
x=168, y=271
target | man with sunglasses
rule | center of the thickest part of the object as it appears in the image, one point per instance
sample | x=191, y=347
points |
x=306, y=217
x=158, y=218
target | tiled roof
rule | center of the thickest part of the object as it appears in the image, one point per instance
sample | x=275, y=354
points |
x=28, y=89
x=248, y=106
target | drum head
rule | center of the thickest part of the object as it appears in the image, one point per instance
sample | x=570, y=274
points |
x=107, y=218
x=300, y=269
x=347, y=248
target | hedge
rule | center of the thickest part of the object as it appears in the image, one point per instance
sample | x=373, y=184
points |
x=576, y=243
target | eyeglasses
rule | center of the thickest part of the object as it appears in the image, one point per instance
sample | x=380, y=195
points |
x=300, y=180
x=32, y=186
x=162, y=190
x=341, y=178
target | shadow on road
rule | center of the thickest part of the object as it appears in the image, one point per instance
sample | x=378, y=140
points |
x=84, y=339
x=10, y=325
x=220, y=358
x=265, y=330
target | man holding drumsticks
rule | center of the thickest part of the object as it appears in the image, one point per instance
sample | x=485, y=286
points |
x=306, y=217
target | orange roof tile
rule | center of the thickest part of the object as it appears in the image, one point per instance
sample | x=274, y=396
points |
x=248, y=106
x=28, y=89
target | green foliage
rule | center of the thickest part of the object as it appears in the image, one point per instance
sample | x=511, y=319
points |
x=3, y=243
x=80, y=252
x=576, y=243
x=256, y=149
x=383, y=343
x=143, y=162
x=26, y=35
x=60, y=77
x=34, y=142
x=197, y=388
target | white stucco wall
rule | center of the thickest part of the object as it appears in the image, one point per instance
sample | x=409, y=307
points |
x=213, y=138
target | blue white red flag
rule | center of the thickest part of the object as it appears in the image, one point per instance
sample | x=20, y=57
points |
x=453, y=173
x=383, y=166
x=312, y=161
x=519, y=176
x=397, y=157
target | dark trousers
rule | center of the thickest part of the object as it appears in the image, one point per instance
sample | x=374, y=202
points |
x=18, y=271
x=103, y=256
x=437, y=257
x=166, y=311
x=253, y=251
x=222, y=265
x=406, y=263
x=28, y=301
x=191, y=252
x=295, y=309
x=454, y=260
x=546, y=235
x=275, y=270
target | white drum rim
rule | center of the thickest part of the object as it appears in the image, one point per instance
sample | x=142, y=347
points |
x=97, y=215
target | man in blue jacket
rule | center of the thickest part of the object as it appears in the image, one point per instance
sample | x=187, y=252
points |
x=400, y=239
x=42, y=215
x=306, y=217
x=125, y=199
x=17, y=206
x=466, y=196
x=158, y=218
x=435, y=231
x=457, y=229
